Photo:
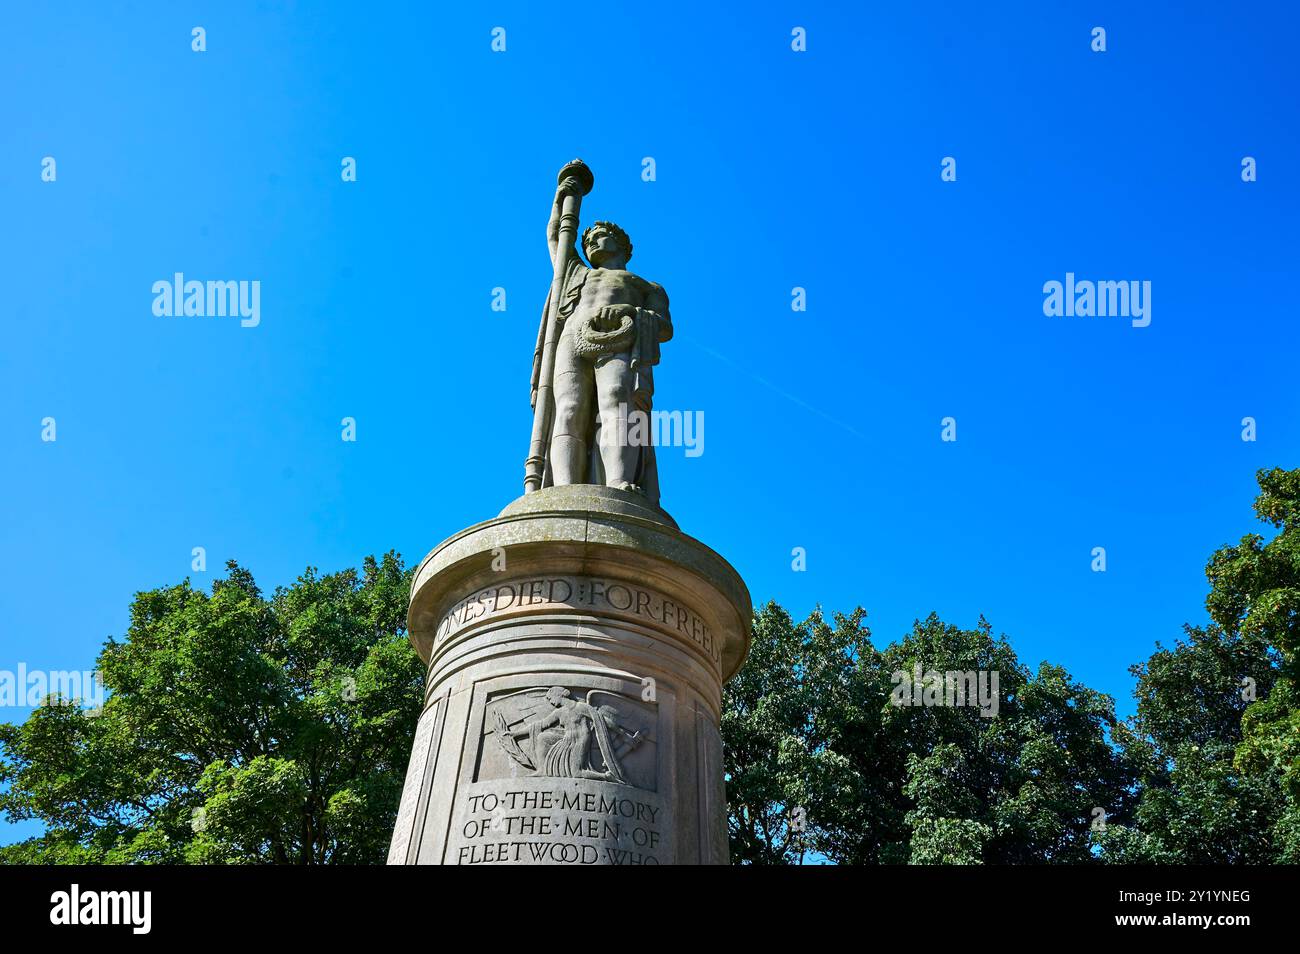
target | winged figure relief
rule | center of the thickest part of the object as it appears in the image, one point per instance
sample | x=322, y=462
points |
x=553, y=732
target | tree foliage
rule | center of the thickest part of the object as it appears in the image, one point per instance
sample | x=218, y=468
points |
x=822, y=764
x=1217, y=729
x=238, y=729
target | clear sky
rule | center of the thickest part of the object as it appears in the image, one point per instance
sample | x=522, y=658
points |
x=775, y=169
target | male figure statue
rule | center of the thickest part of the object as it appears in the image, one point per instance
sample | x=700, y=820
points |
x=612, y=325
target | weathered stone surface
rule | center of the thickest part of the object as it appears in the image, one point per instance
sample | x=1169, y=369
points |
x=576, y=659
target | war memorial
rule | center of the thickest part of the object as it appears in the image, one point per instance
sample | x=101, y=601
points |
x=578, y=642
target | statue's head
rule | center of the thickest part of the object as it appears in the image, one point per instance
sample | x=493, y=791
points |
x=606, y=245
x=556, y=695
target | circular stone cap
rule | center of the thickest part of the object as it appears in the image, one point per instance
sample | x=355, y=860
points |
x=579, y=528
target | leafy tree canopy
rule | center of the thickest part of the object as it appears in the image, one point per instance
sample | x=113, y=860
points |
x=822, y=762
x=1217, y=730
x=238, y=729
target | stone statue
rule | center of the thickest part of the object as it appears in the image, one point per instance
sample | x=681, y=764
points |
x=597, y=345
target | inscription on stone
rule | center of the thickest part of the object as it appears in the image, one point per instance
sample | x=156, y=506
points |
x=597, y=595
x=552, y=821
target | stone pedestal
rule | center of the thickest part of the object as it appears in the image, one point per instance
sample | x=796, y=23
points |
x=577, y=646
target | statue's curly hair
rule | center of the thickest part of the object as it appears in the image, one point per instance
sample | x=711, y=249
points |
x=613, y=230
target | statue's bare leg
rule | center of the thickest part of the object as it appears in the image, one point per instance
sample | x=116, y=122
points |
x=614, y=398
x=573, y=417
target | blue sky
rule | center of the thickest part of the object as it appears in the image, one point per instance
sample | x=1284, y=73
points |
x=775, y=169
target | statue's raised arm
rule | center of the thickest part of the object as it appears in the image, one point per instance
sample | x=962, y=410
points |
x=569, y=186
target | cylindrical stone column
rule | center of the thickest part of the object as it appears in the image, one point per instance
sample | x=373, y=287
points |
x=577, y=646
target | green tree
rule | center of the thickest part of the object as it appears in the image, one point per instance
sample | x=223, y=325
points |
x=1256, y=591
x=812, y=733
x=781, y=716
x=1019, y=787
x=1216, y=733
x=237, y=730
x=1193, y=807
